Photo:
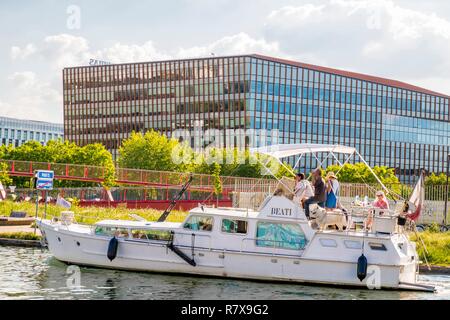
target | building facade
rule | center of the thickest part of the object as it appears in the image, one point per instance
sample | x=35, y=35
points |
x=390, y=122
x=17, y=131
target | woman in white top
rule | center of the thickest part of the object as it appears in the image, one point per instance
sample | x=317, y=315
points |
x=303, y=189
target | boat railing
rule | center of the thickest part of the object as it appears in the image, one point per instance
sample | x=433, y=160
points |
x=371, y=220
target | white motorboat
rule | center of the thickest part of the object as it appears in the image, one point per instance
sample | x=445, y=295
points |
x=274, y=243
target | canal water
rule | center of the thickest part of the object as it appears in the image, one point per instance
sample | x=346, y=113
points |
x=28, y=273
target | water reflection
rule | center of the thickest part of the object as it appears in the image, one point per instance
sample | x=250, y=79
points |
x=33, y=274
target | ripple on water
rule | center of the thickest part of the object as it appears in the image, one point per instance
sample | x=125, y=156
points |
x=29, y=273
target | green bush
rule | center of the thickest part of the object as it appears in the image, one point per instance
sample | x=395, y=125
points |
x=437, y=244
x=20, y=235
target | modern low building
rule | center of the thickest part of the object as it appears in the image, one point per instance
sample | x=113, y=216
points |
x=390, y=122
x=17, y=131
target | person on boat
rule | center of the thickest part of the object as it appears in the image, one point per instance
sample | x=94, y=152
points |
x=332, y=186
x=320, y=192
x=303, y=189
x=380, y=202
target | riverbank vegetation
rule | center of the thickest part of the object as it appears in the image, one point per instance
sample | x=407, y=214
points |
x=437, y=246
x=89, y=215
x=20, y=235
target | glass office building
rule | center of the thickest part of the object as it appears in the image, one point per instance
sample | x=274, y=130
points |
x=390, y=122
x=17, y=131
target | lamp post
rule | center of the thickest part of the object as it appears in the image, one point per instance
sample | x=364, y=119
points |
x=446, y=190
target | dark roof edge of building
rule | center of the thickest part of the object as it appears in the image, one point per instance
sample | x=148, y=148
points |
x=35, y=121
x=361, y=76
x=350, y=74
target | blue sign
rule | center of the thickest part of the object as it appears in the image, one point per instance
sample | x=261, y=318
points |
x=45, y=175
x=44, y=184
x=44, y=179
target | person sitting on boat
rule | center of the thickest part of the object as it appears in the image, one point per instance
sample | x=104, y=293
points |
x=380, y=202
x=320, y=192
x=332, y=186
x=303, y=189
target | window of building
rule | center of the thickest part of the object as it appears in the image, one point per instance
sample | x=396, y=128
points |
x=234, y=226
x=280, y=235
x=201, y=223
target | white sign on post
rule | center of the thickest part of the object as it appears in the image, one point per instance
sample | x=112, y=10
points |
x=44, y=179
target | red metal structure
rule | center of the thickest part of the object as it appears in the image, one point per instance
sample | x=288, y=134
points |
x=126, y=177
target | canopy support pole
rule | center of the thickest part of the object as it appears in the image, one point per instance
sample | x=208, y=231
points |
x=373, y=173
x=279, y=180
x=335, y=158
x=298, y=161
x=345, y=162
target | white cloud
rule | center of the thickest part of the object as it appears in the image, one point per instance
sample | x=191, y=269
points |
x=32, y=98
x=240, y=43
x=22, y=53
x=375, y=37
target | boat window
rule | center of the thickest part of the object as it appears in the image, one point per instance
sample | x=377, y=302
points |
x=377, y=246
x=351, y=244
x=280, y=235
x=202, y=223
x=151, y=234
x=111, y=232
x=328, y=243
x=234, y=226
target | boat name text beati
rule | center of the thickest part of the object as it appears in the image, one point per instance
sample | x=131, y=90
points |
x=281, y=212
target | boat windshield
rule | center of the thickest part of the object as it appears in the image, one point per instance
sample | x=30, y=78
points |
x=111, y=231
x=163, y=235
x=280, y=235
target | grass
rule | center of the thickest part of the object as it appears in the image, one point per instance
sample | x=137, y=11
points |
x=89, y=215
x=20, y=235
x=438, y=247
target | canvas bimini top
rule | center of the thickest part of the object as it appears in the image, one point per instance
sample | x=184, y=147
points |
x=280, y=151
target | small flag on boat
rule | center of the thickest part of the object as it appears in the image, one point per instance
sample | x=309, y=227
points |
x=417, y=199
x=60, y=201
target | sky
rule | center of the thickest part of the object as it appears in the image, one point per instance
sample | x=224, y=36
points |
x=406, y=40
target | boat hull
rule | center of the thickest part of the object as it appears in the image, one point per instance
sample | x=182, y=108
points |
x=90, y=250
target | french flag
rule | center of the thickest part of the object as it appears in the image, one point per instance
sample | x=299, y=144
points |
x=417, y=199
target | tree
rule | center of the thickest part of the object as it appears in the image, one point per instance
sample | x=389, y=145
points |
x=152, y=151
x=435, y=180
x=360, y=173
x=4, y=177
x=217, y=181
x=57, y=151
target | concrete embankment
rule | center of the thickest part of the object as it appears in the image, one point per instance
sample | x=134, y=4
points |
x=423, y=269
x=20, y=243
